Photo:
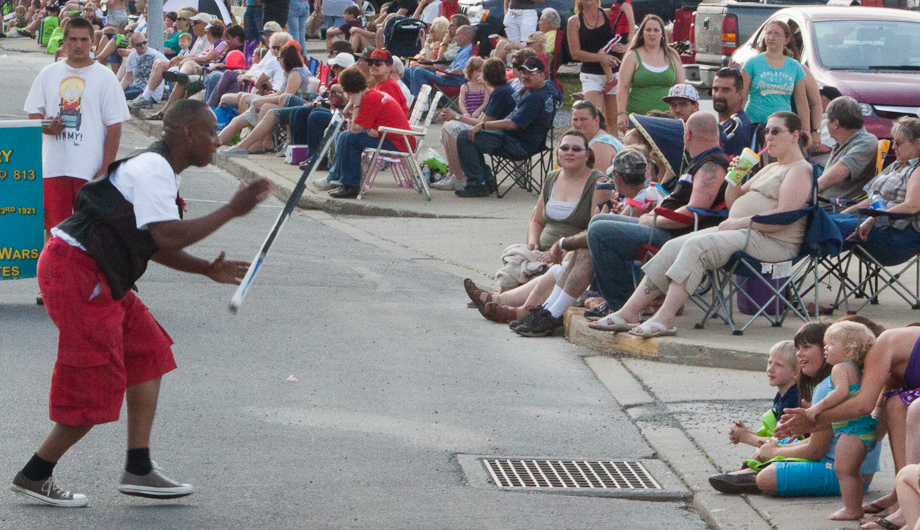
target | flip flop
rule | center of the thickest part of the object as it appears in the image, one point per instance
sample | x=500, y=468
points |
x=880, y=523
x=612, y=322
x=651, y=329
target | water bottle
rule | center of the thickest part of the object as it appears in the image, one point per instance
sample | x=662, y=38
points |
x=652, y=196
x=426, y=174
x=876, y=202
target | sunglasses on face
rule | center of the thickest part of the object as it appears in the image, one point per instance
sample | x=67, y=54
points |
x=734, y=72
x=276, y=47
x=181, y=20
x=375, y=62
x=774, y=131
x=140, y=44
x=899, y=143
x=573, y=148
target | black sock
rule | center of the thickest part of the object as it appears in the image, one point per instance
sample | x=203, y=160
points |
x=38, y=469
x=139, y=461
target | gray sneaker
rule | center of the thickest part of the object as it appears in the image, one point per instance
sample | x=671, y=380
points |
x=153, y=485
x=140, y=102
x=47, y=491
x=326, y=184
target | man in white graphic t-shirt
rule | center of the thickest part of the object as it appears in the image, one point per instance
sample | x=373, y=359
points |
x=86, y=107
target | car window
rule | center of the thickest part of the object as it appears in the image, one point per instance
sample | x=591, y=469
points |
x=868, y=44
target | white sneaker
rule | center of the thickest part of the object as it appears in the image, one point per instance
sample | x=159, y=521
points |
x=325, y=183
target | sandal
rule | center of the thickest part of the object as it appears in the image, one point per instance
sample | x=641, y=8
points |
x=500, y=314
x=612, y=322
x=475, y=294
x=880, y=523
x=651, y=329
x=157, y=116
x=873, y=508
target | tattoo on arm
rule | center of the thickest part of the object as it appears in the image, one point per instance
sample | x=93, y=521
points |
x=650, y=287
x=707, y=174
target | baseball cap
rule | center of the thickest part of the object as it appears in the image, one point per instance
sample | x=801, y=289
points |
x=343, y=60
x=235, y=60
x=536, y=36
x=682, y=91
x=202, y=17
x=628, y=162
x=383, y=55
x=533, y=64
x=272, y=27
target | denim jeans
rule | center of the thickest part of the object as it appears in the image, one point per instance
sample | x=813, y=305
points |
x=252, y=22
x=298, y=11
x=315, y=128
x=614, y=241
x=292, y=117
x=333, y=22
x=349, y=146
x=889, y=246
x=226, y=84
x=132, y=92
x=472, y=155
x=419, y=76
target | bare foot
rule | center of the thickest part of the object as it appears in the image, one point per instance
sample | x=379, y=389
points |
x=846, y=515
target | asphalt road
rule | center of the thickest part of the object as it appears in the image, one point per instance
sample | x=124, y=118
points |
x=396, y=377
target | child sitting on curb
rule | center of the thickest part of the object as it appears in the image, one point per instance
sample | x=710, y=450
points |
x=783, y=373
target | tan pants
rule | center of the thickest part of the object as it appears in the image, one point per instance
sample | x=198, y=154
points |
x=687, y=258
x=449, y=134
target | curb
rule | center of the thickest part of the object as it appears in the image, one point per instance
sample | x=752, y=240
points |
x=675, y=449
x=663, y=350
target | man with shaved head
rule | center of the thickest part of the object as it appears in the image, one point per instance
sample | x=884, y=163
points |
x=614, y=240
x=110, y=346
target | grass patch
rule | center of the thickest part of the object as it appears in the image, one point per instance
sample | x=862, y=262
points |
x=570, y=84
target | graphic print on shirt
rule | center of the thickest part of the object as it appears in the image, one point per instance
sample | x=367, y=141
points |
x=142, y=70
x=71, y=111
x=775, y=83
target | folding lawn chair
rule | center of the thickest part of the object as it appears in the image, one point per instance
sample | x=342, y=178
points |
x=404, y=165
x=785, y=281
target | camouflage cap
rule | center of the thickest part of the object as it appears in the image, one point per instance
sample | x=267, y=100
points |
x=628, y=162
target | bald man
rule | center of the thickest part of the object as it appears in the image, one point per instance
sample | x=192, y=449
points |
x=110, y=346
x=614, y=240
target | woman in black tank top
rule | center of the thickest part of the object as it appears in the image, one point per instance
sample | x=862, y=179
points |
x=589, y=32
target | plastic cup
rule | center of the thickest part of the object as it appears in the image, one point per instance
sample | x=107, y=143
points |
x=493, y=38
x=313, y=85
x=743, y=164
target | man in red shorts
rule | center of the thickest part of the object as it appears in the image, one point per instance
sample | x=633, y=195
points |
x=110, y=348
x=86, y=106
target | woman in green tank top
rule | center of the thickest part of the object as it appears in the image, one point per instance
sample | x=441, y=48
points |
x=648, y=74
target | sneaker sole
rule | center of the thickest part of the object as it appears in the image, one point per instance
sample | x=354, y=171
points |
x=156, y=493
x=732, y=488
x=553, y=332
x=45, y=500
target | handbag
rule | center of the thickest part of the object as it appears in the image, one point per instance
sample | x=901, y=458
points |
x=315, y=20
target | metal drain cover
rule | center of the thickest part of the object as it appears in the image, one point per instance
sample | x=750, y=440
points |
x=570, y=474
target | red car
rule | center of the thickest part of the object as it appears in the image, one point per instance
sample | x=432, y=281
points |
x=871, y=54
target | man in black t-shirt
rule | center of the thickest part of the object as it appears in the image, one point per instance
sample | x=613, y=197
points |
x=521, y=135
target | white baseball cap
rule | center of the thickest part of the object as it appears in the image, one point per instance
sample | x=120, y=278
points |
x=682, y=91
x=343, y=60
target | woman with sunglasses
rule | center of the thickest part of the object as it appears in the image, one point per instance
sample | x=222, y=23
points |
x=588, y=120
x=773, y=78
x=564, y=208
x=899, y=186
x=678, y=268
x=183, y=24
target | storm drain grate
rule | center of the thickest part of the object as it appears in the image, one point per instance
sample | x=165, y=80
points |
x=569, y=474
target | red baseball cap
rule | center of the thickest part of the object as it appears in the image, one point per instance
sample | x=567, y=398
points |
x=382, y=54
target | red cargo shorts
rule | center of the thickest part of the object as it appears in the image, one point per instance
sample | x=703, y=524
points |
x=60, y=193
x=104, y=345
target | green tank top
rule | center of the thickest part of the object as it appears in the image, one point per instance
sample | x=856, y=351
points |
x=577, y=221
x=648, y=88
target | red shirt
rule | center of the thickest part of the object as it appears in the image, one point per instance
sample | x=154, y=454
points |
x=379, y=109
x=391, y=87
x=448, y=8
x=622, y=24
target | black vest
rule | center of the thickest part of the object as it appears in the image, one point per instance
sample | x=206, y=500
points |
x=104, y=223
x=683, y=189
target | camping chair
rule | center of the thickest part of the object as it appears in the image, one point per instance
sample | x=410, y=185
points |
x=405, y=166
x=784, y=280
x=874, y=277
x=526, y=172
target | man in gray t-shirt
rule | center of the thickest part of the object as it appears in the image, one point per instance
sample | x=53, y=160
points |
x=852, y=161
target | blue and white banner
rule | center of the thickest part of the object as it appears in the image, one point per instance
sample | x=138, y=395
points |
x=21, y=214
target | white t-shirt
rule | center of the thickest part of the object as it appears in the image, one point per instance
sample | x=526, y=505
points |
x=272, y=69
x=89, y=99
x=431, y=12
x=140, y=66
x=149, y=183
x=200, y=45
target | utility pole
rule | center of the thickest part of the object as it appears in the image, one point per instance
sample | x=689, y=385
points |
x=155, y=24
